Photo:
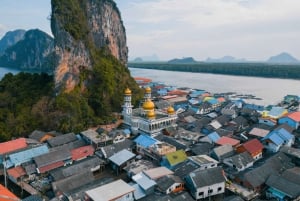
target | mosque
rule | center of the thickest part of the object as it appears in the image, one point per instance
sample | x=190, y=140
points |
x=146, y=119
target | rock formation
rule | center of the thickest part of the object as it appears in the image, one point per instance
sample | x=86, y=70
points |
x=33, y=52
x=81, y=29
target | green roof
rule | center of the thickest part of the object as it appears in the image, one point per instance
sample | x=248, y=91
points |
x=176, y=157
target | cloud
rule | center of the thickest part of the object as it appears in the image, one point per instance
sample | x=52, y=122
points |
x=225, y=25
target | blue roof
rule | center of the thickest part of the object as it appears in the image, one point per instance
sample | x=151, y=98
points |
x=27, y=155
x=213, y=101
x=214, y=136
x=127, y=131
x=144, y=181
x=276, y=111
x=274, y=137
x=284, y=134
x=197, y=92
x=145, y=140
x=254, y=107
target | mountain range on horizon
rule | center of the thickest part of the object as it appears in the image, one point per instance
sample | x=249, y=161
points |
x=282, y=57
x=11, y=39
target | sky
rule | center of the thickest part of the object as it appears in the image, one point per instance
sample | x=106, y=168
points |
x=249, y=29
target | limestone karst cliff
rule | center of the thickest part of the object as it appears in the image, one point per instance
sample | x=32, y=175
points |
x=32, y=52
x=82, y=29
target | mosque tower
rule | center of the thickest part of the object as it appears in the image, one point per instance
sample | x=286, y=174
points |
x=127, y=107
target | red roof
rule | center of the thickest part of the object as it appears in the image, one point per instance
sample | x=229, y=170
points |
x=51, y=166
x=6, y=195
x=227, y=140
x=177, y=92
x=253, y=146
x=16, y=172
x=13, y=145
x=295, y=116
x=82, y=152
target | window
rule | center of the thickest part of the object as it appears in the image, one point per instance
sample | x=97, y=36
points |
x=219, y=189
x=201, y=193
x=210, y=191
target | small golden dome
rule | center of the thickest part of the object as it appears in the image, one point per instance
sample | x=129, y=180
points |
x=171, y=110
x=148, y=105
x=151, y=114
x=148, y=90
x=127, y=91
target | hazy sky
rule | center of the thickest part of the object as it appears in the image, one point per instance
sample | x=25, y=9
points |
x=250, y=29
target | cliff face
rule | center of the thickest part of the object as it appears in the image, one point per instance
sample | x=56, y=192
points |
x=11, y=38
x=81, y=28
x=30, y=53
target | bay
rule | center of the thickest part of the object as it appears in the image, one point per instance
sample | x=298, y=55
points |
x=270, y=90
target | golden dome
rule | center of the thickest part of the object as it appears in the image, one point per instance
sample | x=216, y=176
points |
x=148, y=90
x=148, y=105
x=171, y=110
x=151, y=114
x=127, y=91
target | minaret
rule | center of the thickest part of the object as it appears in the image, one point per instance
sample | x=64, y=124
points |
x=147, y=95
x=127, y=107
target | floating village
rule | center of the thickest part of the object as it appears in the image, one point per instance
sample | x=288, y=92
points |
x=178, y=144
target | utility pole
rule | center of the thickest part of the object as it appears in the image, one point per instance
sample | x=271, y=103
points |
x=4, y=168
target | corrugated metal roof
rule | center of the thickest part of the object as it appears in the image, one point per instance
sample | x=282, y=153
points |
x=13, y=145
x=62, y=139
x=144, y=181
x=110, y=191
x=214, y=136
x=207, y=177
x=227, y=140
x=253, y=146
x=145, y=141
x=82, y=152
x=284, y=134
x=294, y=116
x=121, y=157
x=158, y=172
x=27, y=155
x=16, y=172
x=5, y=192
x=53, y=157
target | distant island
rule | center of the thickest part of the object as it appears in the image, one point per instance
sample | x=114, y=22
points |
x=225, y=59
x=256, y=69
x=283, y=58
x=186, y=60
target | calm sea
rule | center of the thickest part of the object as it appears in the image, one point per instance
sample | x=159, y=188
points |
x=271, y=90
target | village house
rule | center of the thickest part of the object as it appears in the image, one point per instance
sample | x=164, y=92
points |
x=172, y=159
x=116, y=190
x=285, y=186
x=138, y=166
x=95, y=139
x=255, y=179
x=221, y=152
x=204, y=161
x=254, y=147
x=292, y=119
x=239, y=162
x=25, y=155
x=277, y=138
x=121, y=159
x=169, y=184
x=206, y=183
x=107, y=151
x=11, y=146
x=53, y=159
x=145, y=183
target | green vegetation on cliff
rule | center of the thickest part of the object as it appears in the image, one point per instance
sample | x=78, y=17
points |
x=27, y=101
